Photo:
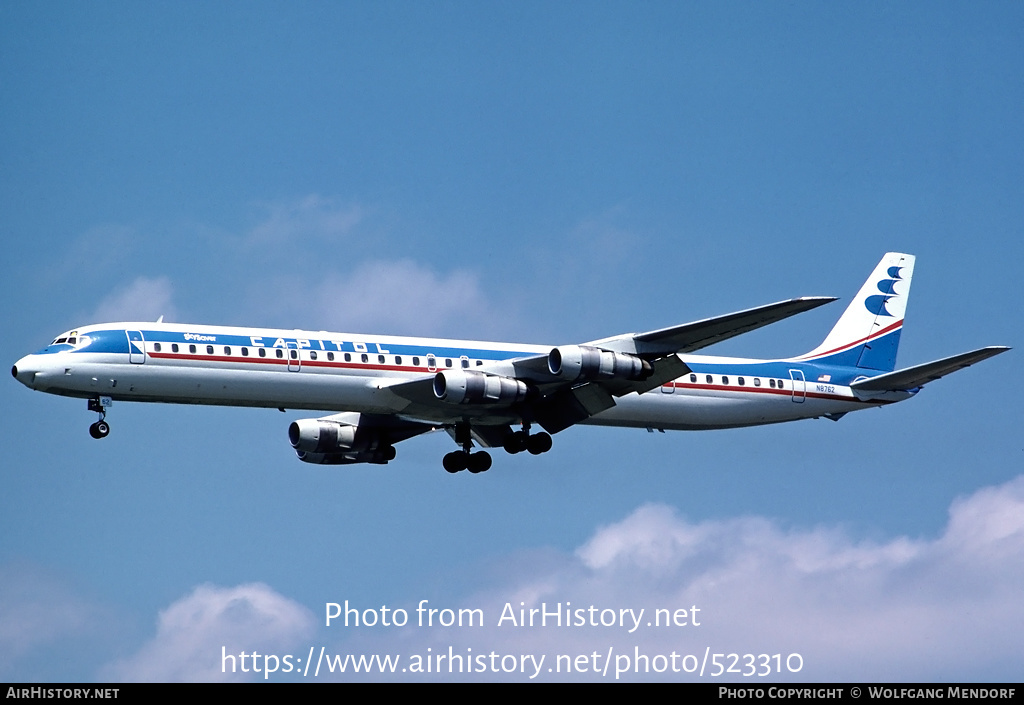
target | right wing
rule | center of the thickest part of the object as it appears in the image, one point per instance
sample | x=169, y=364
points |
x=688, y=337
x=574, y=382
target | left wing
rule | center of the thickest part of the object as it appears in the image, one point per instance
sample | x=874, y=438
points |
x=574, y=382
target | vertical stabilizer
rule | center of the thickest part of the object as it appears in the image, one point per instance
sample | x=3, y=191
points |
x=868, y=333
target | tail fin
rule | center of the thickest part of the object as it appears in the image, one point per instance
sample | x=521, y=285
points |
x=868, y=333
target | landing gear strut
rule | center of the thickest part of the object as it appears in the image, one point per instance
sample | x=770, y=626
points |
x=465, y=459
x=101, y=428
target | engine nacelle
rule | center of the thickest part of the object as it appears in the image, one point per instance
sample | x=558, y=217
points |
x=581, y=362
x=472, y=387
x=329, y=442
x=320, y=436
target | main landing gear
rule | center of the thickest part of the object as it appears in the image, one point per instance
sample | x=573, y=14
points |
x=522, y=440
x=464, y=459
x=101, y=428
x=480, y=461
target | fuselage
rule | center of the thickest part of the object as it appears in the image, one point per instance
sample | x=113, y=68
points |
x=319, y=370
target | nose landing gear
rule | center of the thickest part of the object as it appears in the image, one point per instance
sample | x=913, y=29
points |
x=101, y=428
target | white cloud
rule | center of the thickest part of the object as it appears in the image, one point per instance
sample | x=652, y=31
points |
x=38, y=611
x=313, y=215
x=397, y=297
x=145, y=299
x=192, y=632
x=944, y=609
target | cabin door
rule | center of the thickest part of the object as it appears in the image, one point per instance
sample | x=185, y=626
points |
x=799, y=386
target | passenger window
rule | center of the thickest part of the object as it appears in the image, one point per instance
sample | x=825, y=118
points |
x=295, y=354
x=380, y=359
x=710, y=379
x=174, y=347
x=479, y=362
x=365, y=357
x=227, y=350
x=741, y=381
x=757, y=381
x=416, y=362
x=448, y=362
x=330, y=356
x=191, y=348
x=312, y=354
x=725, y=380
x=693, y=379
x=465, y=362
x=771, y=383
x=398, y=359
x=263, y=352
x=348, y=357
x=280, y=353
x=209, y=350
x=245, y=352
x=156, y=347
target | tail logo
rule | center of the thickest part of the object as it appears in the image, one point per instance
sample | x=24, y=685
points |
x=876, y=304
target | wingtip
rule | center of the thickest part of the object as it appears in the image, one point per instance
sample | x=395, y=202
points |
x=815, y=301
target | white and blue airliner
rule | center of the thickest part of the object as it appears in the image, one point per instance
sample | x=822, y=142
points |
x=386, y=389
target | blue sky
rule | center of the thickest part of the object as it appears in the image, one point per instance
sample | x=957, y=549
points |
x=532, y=172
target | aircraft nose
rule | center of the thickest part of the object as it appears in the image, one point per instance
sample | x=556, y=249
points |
x=24, y=372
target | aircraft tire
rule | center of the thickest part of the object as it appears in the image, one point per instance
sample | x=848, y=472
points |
x=479, y=462
x=539, y=443
x=100, y=429
x=456, y=461
x=515, y=442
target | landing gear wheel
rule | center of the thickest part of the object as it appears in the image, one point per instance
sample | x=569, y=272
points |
x=479, y=462
x=516, y=442
x=455, y=461
x=539, y=443
x=100, y=429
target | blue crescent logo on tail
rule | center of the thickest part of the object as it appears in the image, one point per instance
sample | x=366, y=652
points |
x=876, y=304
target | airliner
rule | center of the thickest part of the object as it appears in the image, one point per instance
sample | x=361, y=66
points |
x=386, y=389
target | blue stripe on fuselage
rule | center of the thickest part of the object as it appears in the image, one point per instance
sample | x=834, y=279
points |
x=368, y=345
x=116, y=341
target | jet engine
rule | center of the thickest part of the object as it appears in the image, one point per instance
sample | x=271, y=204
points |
x=472, y=387
x=328, y=442
x=581, y=362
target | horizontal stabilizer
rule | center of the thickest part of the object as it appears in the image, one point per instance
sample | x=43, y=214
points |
x=919, y=375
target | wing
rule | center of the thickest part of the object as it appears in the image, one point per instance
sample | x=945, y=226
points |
x=574, y=382
x=690, y=337
x=919, y=375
